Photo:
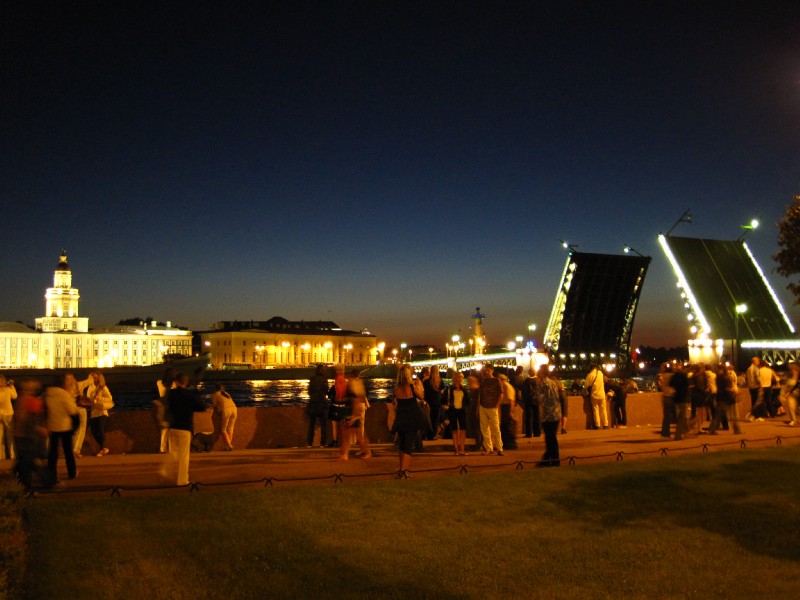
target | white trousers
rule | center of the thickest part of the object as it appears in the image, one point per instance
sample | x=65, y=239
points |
x=177, y=460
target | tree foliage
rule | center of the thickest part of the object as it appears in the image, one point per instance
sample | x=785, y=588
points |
x=134, y=321
x=788, y=255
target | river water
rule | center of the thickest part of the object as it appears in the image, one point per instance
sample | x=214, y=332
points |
x=283, y=392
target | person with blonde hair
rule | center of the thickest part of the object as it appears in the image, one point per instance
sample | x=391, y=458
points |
x=102, y=402
x=7, y=393
x=225, y=406
x=455, y=402
x=408, y=417
x=354, y=424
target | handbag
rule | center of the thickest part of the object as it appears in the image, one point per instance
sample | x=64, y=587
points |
x=82, y=400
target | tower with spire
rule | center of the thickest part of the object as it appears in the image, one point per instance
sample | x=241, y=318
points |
x=61, y=303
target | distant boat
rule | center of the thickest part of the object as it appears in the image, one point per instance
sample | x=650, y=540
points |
x=124, y=378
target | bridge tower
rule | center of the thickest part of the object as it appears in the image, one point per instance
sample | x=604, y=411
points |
x=478, y=339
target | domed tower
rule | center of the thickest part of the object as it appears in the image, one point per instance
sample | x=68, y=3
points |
x=61, y=302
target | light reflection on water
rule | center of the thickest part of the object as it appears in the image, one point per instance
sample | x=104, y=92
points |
x=260, y=392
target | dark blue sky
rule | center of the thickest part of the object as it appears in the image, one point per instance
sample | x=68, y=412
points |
x=384, y=165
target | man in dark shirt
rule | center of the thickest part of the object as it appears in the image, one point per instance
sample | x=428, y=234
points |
x=680, y=384
x=181, y=406
x=318, y=406
x=491, y=396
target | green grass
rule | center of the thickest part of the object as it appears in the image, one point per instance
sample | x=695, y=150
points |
x=722, y=525
x=12, y=537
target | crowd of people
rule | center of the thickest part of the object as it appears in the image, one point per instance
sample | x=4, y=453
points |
x=37, y=422
x=37, y=425
x=696, y=394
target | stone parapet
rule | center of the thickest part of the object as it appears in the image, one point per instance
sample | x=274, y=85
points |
x=285, y=427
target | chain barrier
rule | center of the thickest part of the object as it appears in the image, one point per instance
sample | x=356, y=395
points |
x=462, y=469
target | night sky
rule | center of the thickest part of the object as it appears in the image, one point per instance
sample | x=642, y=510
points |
x=386, y=165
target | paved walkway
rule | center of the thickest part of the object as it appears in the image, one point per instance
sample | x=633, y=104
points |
x=138, y=473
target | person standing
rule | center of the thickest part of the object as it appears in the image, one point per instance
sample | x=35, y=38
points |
x=725, y=401
x=550, y=406
x=61, y=408
x=182, y=405
x=790, y=390
x=595, y=384
x=164, y=385
x=562, y=396
x=8, y=393
x=84, y=406
x=619, y=412
x=30, y=432
x=337, y=394
x=508, y=424
x=491, y=396
x=317, y=409
x=767, y=378
x=98, y=393
x=353, y=426
x=408, y=418
x=224, y=405
x=753, y=385
x=455, y=401
x=532, y=425
x=680, y=389
x=667, y=399
x=433, y=396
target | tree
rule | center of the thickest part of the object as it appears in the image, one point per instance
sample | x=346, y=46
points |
x=788, y=256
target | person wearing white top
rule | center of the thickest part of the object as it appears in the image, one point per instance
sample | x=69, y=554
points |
x=61, y=408
x=595, y=384
x=7, y=393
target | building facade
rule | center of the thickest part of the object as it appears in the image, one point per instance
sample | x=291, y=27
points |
x=62, y=338
x=282, y=343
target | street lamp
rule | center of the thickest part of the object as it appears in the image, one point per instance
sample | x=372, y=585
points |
x=430, y=353
x=570, y=247
x=628, y=249
x=753, y=224
x=686, y=217
x=740, y=310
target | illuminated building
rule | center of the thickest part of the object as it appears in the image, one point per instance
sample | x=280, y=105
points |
x=282, y=343
x=62, y=338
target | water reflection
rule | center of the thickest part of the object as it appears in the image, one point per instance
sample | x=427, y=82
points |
x=259, y=392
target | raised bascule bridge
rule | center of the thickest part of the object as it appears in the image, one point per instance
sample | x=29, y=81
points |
x=591, y=320
x=732, y=311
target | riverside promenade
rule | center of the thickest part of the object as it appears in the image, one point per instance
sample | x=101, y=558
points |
x=136, y=474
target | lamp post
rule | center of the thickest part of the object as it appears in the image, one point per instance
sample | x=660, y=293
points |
x=569, y=247
x=740, y=310
x=628, y=249
x=753, y=224
x=686, y=217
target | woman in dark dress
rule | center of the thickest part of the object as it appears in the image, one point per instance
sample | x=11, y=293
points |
x=408, y=417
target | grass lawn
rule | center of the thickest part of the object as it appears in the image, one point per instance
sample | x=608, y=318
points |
x=720, y=525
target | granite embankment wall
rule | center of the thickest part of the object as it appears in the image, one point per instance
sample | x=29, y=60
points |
x=285, y=427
